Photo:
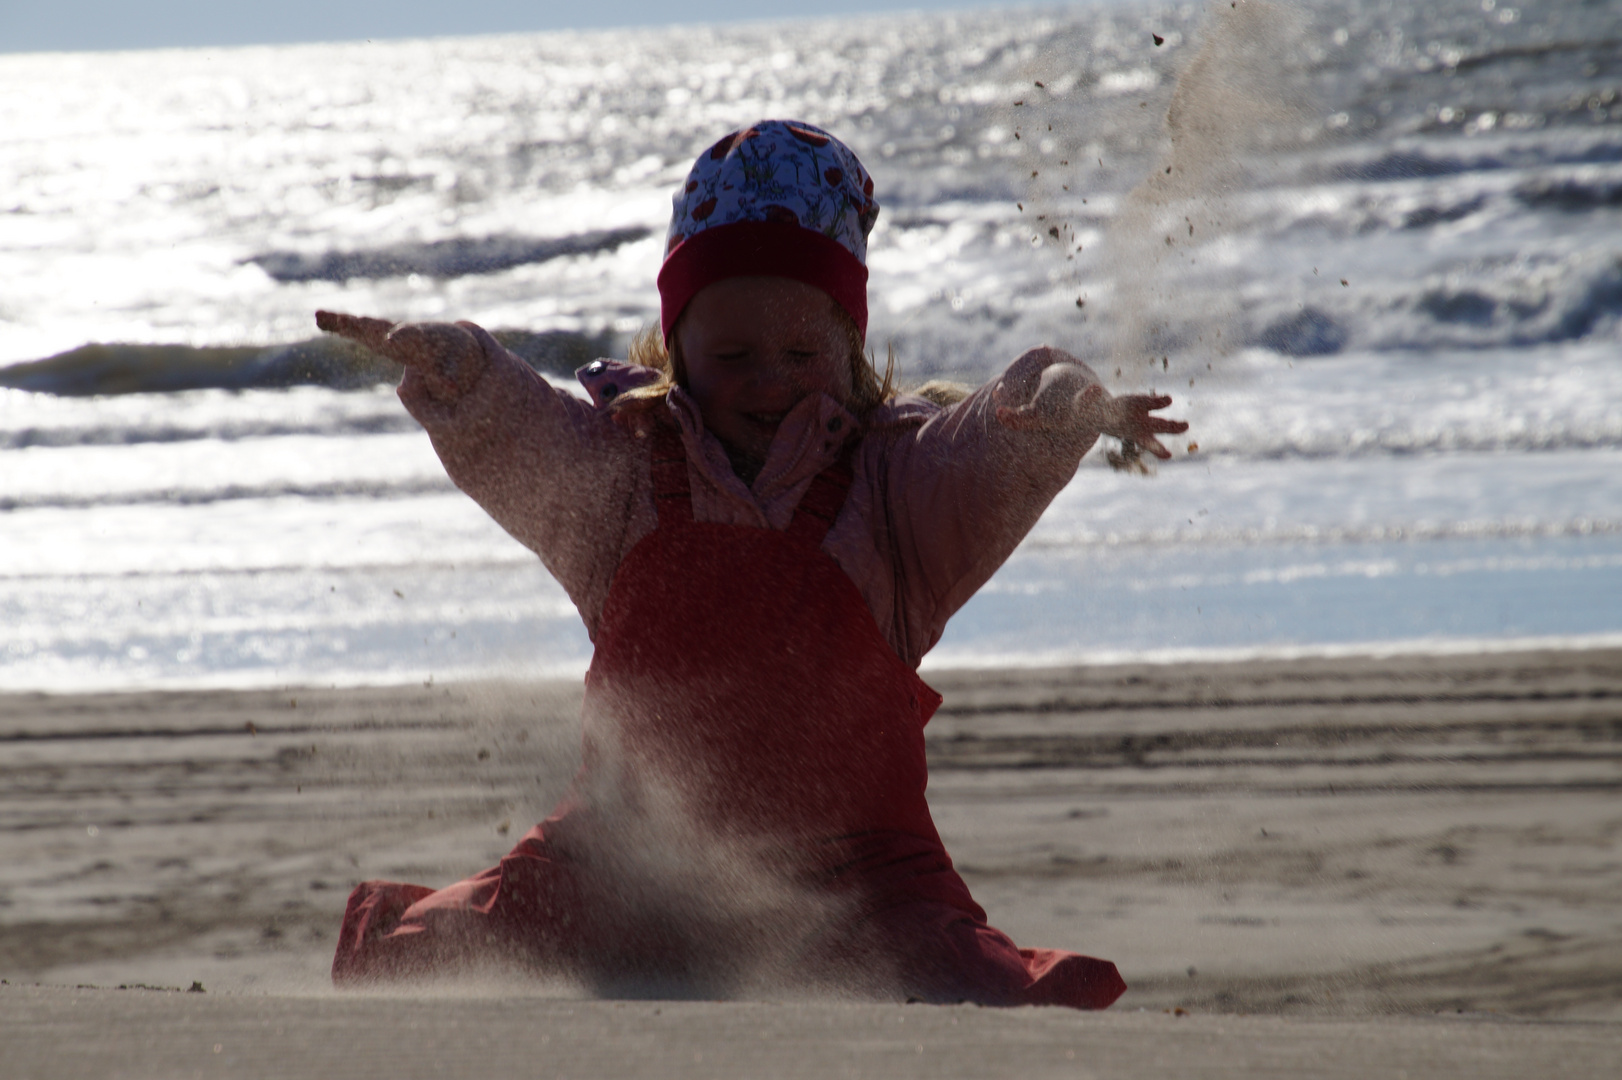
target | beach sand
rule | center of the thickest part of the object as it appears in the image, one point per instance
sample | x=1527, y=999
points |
x=1338, y=867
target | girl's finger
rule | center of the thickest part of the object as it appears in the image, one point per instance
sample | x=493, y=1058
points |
x=1152, y=444
x=361, y=329
x=1166, y=427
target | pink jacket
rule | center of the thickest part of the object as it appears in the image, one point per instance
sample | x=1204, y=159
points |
x=941, y=497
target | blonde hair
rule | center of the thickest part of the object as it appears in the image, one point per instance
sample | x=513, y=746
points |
x=942, y=392
x=648, y=348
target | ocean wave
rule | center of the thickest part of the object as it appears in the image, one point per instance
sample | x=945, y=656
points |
x=113, y=433
x=1308, y=332
x=158, y=369
x=1398, y=442
x=1406, y=162
x=1501, y=197
x=1371, y=215
x=290, y=489
x=98, y=369
x=1511, y=432
x=1512, y=305
x=441, y=258
x=521, y=559
x=1516, y=312
x=1425, y=216
x=1594, y=49
x=1572, y=194
x=1307, y=533
x=1375, y=214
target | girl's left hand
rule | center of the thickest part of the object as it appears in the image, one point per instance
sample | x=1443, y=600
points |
x=1060, y=393
x=1128, y=417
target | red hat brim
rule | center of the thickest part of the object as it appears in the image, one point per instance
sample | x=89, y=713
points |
x=761, y=249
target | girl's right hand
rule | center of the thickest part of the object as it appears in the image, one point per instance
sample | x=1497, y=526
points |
x=446, y=357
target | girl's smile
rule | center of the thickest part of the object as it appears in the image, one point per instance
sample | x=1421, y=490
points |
x=752, y=348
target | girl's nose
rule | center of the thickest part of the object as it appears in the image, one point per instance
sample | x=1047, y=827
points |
x=772, y=374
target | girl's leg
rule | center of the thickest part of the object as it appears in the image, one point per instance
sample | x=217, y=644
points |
x=526, y=913
x=374, y=910
x=943, y=955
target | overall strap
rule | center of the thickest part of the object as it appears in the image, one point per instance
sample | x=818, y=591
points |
x=823, y=500
x=672, y=491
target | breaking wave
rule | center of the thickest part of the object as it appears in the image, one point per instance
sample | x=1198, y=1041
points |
x=341, y=489
x=441, y=258
x=93, y=370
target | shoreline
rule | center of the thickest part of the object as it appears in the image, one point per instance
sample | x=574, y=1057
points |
x=1426, y=648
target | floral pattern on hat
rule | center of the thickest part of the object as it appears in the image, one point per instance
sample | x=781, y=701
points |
x=778, y=170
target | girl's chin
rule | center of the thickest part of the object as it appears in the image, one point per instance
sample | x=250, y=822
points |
x=754, y=434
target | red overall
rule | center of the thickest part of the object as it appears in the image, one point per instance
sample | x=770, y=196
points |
x=741, y=687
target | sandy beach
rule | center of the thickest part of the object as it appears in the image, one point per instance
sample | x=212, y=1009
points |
x=1346, y=866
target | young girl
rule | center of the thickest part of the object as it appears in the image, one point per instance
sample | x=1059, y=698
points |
x=763, y=541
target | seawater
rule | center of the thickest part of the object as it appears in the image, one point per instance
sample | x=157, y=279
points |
x=1382, y=280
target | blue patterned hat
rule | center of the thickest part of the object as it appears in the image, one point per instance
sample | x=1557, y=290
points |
x=778, y=199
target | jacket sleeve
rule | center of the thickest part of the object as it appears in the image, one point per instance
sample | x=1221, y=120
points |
x=962, y=490
x=559, y=475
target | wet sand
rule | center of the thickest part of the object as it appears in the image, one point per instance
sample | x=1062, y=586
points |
x=1381, y=863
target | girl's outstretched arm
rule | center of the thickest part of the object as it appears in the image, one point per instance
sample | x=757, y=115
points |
x=964, y=489
x=556, y=473
x=1051, y=391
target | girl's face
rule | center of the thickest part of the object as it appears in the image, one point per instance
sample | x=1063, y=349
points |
x=753, y=348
